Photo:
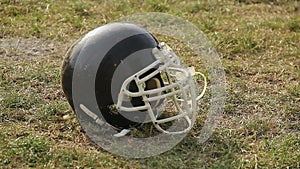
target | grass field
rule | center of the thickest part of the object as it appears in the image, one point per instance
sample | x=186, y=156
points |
x=257, y=40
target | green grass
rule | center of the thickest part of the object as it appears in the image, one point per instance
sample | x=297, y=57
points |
x=257, y=40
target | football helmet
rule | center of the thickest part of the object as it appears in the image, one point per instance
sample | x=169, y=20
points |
x=135, y=79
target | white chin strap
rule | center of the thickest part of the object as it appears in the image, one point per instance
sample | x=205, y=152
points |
x=182, y=84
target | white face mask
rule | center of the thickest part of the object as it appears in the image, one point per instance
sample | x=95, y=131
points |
x=177, y=90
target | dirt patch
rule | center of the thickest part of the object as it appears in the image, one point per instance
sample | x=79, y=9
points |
x=30, y=47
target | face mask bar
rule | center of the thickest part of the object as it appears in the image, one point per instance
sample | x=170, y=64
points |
x=167, y=63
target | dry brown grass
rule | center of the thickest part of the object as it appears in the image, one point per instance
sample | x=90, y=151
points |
x=258, y=42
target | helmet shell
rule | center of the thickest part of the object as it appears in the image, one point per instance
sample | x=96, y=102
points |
x=97, y=64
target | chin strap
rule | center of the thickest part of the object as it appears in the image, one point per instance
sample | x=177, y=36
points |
x=101, y=122
x=192, y=71
x=122, y=133
x=204, y=87
x=91, y=114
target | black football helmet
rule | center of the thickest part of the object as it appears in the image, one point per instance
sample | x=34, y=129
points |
x=121, y=75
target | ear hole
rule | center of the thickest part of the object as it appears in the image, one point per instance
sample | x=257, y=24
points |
x=153, y=83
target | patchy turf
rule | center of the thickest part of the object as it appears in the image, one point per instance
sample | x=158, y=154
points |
x=258, y=42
